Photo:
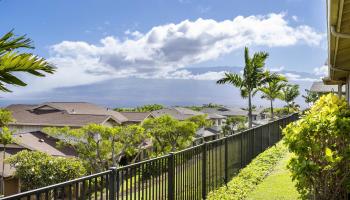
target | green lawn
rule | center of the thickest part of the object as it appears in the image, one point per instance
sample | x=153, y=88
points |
x=277, y=186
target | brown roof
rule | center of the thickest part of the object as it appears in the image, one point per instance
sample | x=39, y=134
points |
x=136, y=116
x=56, y=114
x=38, y=141
x=178, y=113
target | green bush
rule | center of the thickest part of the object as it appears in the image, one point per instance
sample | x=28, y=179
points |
x=320, y=141
x=250, y=176
x=37, y=169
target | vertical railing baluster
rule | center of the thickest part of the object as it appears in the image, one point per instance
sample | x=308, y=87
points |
x=226, y=161
x=112, y=180
x=171, y=178
x=204, y=170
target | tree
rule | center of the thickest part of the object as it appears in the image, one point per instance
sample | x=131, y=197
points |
x=12, y=61
x=99, y=146
x=311, y=97
x=273, y=90
x=169, y=134
x=6, y=138
x=232, y=123
x=37, y=169
x=289, y=93
x=201, y=121
x=253, y=77
x=144, y=108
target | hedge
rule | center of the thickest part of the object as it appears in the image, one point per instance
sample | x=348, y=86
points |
x=250, y=176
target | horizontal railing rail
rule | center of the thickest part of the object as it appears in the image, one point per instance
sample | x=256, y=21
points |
x=187, y=174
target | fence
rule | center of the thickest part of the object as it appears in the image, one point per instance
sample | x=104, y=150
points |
x=187, y=174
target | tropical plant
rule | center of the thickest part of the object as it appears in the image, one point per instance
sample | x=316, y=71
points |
x=37, y=169
x=289, y=93
x=272, y=90
x=311, y=97
x=201, y=121
x=320, y=141
x=253, y=77
x=169, y=134
x=12, y=61
x=233, y=122
x=98, y=146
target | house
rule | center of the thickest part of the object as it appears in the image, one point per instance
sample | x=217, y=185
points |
x=32, y=141
x=321, y=88
x=338, y=26
x=29, y=118
x=257, y=113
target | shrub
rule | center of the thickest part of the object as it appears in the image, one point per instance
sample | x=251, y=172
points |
x=250, y=176
x=320, y=141
x=37, y=169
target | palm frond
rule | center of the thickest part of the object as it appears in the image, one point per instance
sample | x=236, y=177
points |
x=14, y=62
x=231, y=78
x=10, y=42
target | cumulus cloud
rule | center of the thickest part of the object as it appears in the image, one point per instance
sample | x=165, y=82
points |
x=164, y=50
x=297, y=77
x=321, y=71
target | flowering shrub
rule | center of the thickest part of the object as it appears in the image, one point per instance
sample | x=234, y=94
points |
x=37, y=169
x=320, y=141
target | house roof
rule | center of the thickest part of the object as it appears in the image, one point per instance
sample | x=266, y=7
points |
x=38, y=141
x=338, y=24
x=57, y=115
x=136, y=116
x=322, y=88
x=178, y=113
x=205, y=133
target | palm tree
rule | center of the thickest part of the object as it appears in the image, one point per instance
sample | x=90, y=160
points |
x=272, y=90
x=253, y=77
x=5, y=139
x=289, y=93
x=11, y=60
x=311, y=97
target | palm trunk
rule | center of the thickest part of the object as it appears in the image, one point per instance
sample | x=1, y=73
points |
x=3, y=172
x=250, y=117
x=272, y=114
x=114, y=163
x=288, y=108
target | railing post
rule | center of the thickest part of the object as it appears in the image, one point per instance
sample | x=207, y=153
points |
x=204, y=170
x=226, y=161
x=268, y=133
x=253, y=142
x=241, y=149
x=112, y=186
x=171, y=176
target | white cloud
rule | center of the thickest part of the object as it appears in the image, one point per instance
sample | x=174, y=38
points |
x=321, y=71
x=295, y=18
x=164, y=50
x=277, y=69
x=297, y=77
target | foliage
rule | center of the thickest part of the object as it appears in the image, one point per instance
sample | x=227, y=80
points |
x=199, y=108
x=144, y=108
x=5, y=117
x=289, y=93
x=250, y=176
x=320, y=141
x=99, y=146
x=11, y=60
x=253, y=77
x=37, y=169
x=233, y=122
x=273, y=90
x=311, y=97
x=201, y=121
x=278, y=185
x=169, y=134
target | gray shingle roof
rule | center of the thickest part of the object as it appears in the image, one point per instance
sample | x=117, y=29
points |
x=178, y=113
x=135, y=116
x=322, y=88
x=63, y=114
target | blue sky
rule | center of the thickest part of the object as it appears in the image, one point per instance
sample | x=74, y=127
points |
x=99, y=43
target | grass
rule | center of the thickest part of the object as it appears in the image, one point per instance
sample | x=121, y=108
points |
x=277, y=185
x=252, y=175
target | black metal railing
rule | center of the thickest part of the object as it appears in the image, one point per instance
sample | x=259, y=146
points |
x=186, y=174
